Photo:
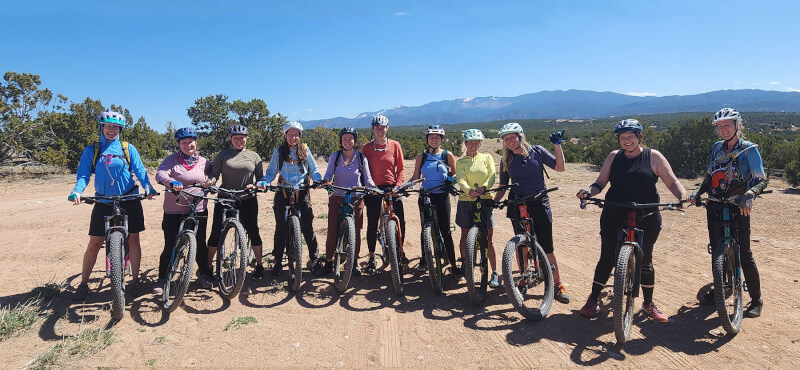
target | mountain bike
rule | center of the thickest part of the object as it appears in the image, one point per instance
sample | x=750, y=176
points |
x=628, y=270
x=432, y=240
x=389, y=233
x=344, y=258
x=293, y=240
x=232, y=249
x=476, y=258
x=181, y=263
x=726, y=264
x=533, y=268
x=116, y=239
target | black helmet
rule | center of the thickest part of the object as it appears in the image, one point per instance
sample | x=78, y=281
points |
x=348, y=130
x=238, y=129
x=628, y=125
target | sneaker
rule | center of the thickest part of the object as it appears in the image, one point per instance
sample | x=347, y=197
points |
x=495, y=280
x=158, y=288
x=590, y=309
x=325, y=269
x=371, y=266
x=754, y=308
x=561, y=294
x=317, y=264
x=258, y=273
x=708, y=299
x=423, y=265
x=277, y=269
x=655, y=313
x=206, y=282
x=80, y=292
x=404, y=260
x=356, y=271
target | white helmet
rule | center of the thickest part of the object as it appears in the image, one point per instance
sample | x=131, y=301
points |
x=434, y=129
x=473, y=134
x=725, y=114
x=511, y=127
x=380, y=120
x=293, y=124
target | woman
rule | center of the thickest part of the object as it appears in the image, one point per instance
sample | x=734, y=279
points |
x=294, y=164
x=385, y=159
x=736, y=173
x=239, y=167
x=633, y=171
x=524, y=164
x=185, y=166
x=437, y=167
x=346, y=168
x=475, y=173
x=113, y=163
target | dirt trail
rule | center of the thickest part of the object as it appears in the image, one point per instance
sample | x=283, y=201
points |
x=368, y=326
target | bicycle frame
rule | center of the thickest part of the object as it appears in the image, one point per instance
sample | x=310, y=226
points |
x=727, y=231
x=525, y=221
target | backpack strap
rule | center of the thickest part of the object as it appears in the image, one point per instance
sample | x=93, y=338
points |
x=356, y=156
x=126, y=157
x=536, y=151
x=442, y=161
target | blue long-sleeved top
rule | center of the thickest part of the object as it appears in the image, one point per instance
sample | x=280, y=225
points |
x=293, y=173
x=732, y=174
x=116, y=169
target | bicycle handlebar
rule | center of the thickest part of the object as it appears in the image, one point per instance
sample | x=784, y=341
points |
x=114, y=198
x=528, y=198
x=632, y=205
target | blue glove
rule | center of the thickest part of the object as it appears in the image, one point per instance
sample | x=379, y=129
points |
x=451, y=180
x=176, y=184
x=72, y=196
x=261, y=184
x=151, y=191
x=557, y=138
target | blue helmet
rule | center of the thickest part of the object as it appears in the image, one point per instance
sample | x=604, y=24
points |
x=112, y=118
x=238, y=129
x=184, y=133
x=628, y=125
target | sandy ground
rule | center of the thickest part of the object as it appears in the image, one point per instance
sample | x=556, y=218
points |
x=368, y=326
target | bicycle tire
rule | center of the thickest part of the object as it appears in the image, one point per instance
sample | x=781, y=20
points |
x=430, y=258
x=729, y=306
x=476, y=265
x=295, y=254
x=180, y=272
x=231, y=260
x=345, y=249
x=396, y=271
x=539, y=274
x=624, y=297
x=116, y=244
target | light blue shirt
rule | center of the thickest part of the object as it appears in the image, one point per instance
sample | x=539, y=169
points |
x=293, y=173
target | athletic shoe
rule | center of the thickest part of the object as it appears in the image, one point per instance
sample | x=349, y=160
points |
x=206, y=282
x=80, y=292
x=158, y=288
x=655, y=313
x=356, y=271
x=495, y=281
x=277, y=269
x=317, y=264
x=404, y=260
x=590, y=309
x=258, y=273
x=561, y=294
x=371, y=266
x=754, y=308
x=423, y=265
x=326, y=269
x=708, y=299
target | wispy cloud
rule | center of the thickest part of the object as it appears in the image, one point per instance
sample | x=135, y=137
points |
x=735, y=82
x=641, y=94
x=400, y=14
x=792, y=89
x=774, y=83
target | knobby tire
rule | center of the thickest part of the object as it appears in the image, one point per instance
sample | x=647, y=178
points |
x=529, y=306
x=622, y=303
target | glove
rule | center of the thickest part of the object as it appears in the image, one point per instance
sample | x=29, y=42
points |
x=177, y=185
x=151, y=190
x=261, y=184
x=747, y=200
x=72, y=196
x=557, y=138
x=451, y=180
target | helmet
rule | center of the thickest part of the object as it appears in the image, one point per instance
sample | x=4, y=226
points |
x=628, y=125
x=113, y=118
x=473, y=134
x=293, y=124
x=725, y=114
x=434, y=129
x=509, y=128
x=186, y=132
x=380, y=120
x=238, y=129
x=348, y=130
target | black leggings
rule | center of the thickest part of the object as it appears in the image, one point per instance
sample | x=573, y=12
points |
x=170, y=225
x=373, y=203
x=441, y=208
x=281, y=229
x=610, y=222
x=539, y=211
x=248, y=216
x=713, y=212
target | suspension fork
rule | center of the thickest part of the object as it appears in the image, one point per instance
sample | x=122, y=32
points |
x=634, y=236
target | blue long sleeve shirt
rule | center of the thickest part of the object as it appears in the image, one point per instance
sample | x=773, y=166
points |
x=293, y=173
x=111, y=174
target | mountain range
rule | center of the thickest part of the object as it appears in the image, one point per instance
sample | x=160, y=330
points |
x=571, y=104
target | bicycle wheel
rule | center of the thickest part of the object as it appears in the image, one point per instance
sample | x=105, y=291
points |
x=476, y=265
x=428, y=246
x=530, y=288
x=295, y=254
x=180, y=271
x=727, y=288
x=231, y=259
x=393, y=249
x=344, y=256
x=622, y=303
x=116, y=243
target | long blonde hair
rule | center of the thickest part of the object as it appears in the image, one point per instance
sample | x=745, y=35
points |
x=508, y=154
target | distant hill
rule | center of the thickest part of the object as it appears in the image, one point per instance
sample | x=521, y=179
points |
x=571, y=104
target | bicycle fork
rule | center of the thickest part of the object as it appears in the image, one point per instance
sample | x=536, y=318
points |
x=633, y=236
x=729, y=242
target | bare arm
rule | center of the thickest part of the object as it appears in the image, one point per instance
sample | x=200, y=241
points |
x=560, y=161
x=451, y=162
x=602, y=179
x=662, y=168
x=417, y=168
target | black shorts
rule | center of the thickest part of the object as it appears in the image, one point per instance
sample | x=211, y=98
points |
x=132, y=208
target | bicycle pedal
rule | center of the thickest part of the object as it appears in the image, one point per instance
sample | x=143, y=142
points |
x=744, y=286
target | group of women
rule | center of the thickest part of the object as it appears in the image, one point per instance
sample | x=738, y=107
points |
x=735, y=172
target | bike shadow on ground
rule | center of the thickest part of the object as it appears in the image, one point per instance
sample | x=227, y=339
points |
x=203, y=301
x=265, y=293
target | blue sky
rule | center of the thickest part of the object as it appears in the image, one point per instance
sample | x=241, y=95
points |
x=322, y=59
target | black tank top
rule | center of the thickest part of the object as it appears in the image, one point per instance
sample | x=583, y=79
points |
x=632, y=179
